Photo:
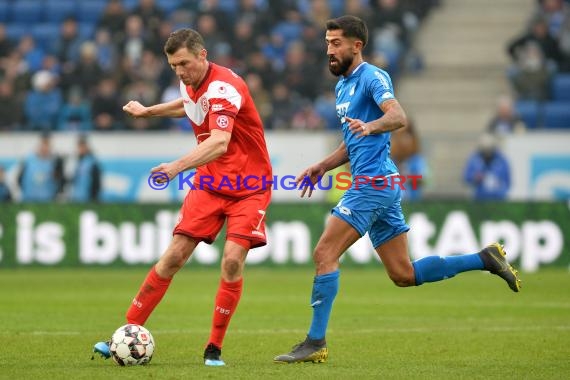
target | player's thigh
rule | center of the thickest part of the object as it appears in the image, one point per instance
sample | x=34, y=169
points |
x=246, y=218
x=201, y=216
x=389, y=238
x=359, y=207
x=390, y=221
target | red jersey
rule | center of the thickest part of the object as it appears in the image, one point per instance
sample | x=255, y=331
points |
x=245, y=168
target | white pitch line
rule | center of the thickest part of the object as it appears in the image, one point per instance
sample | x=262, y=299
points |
x=404, y=330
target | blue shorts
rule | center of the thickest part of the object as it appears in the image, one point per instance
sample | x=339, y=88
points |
x=373, y=210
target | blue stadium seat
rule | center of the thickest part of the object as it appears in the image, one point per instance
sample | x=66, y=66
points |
x=16, y=31
x=229, y=6
x=4, y=10
x=29, y=11
x=90, y=10
x=556, y=115
x=130, y=4
x=58, y=10
x=561, y=87
x=45, y=35
x=87, y=30
x=336, y=7
x=168, y=6
x=529, y=112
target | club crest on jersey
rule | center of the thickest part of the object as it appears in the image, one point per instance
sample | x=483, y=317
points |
x=204, y=103
x=222, y=121
x=222, y=90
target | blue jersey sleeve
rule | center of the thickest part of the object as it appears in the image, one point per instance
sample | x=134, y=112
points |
x=379, y=86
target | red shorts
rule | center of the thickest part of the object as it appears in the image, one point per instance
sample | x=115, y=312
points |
x=203, y=214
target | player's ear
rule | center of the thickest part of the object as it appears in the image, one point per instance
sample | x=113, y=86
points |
x=357, y=46
x=203, y=54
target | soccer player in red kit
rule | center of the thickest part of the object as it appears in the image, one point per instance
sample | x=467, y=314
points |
x=232, y=181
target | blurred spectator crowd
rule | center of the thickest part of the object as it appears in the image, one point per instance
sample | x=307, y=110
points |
x=540, y=70
x=71, y=65
x=539, y=75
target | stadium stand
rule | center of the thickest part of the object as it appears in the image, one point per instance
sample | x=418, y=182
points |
x=4, y=9
x=556, y=115
x=89, y=11
x=55, y=11
x=55, y=45
x=529, y=111
x=26, y=11
x=561, y=87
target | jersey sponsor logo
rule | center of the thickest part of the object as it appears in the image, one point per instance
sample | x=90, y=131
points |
x=217, y=107
x=341, y=109
x=222, y=121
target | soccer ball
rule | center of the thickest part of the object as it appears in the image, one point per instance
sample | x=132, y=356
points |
x=131, y=345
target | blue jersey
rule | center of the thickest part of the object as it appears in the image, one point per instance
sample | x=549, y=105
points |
x=358, y=96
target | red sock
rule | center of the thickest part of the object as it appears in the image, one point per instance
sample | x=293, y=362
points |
x=227, y=299
x=151, y=292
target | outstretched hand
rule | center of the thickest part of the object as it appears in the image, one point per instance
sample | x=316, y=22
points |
x=308, y=178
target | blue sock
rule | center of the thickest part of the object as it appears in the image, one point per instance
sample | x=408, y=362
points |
x=325, y=288
x=437, y=268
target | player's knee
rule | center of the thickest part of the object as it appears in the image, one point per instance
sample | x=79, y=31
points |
x=171, y=262
x=231, y=267
x=402, y=278
x=322, y=260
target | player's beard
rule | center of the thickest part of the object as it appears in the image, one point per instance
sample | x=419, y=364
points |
x=342, y=65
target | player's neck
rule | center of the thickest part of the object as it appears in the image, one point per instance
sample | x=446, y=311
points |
x=206, y=70
x=355, y=63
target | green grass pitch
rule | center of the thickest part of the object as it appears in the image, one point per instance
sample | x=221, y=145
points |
x=469, y=327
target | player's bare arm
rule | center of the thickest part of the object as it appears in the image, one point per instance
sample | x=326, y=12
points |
x=208, y=150
x=394, y=118
x=337, y=158
x=173, y=108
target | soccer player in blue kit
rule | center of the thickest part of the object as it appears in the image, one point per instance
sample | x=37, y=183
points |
x=368, y=112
